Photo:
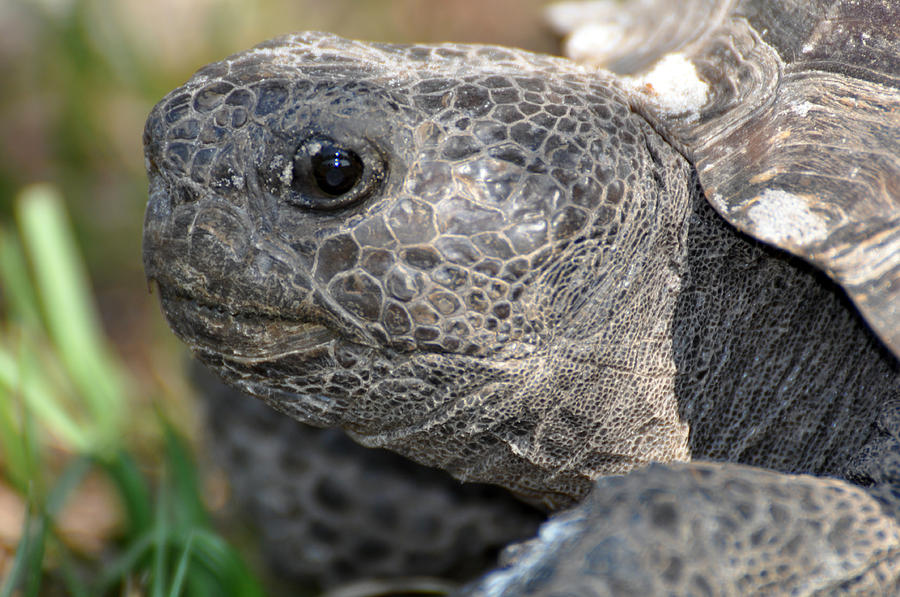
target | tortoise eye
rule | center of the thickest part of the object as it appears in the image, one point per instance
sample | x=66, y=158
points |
x=335, y=169
x=328, y=175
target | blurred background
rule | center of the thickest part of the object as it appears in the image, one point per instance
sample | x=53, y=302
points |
x=98, y=429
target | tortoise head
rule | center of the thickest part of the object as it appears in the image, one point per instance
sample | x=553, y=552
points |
x=441, y=246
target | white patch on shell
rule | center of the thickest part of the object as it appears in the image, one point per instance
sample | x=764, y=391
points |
x=785, y=219
x=592, y=40
x=567, y=17
x=673, y=87
x=595, y=31
x=802, y=108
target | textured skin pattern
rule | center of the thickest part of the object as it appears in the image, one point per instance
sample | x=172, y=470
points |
x=330, y=511
x=443, y=305
x=527, y=286
x=812, y=370
x=496, y=265
x=716, y=530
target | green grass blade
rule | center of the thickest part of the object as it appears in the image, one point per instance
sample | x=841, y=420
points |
x=133, y=491
x=75, y=587
x=22, y=376
x=117, y=570
x=72, y=321
x=226, y=565
x=17, y=290
x=187, y=502
x=11, y=441
x=28, y=563
x=70, y=478
x=20, y=560
x=181, y=571
x=37, y=532
x=37, y=543
x=160, y=541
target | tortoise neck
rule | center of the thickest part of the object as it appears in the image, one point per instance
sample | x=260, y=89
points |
x=771, y=382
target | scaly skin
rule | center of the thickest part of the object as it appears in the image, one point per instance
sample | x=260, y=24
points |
x=522, y=282
x=525, y=288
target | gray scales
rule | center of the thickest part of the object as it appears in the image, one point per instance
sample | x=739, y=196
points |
x=534, y=273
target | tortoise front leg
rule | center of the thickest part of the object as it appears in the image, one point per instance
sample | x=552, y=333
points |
x=710, y=529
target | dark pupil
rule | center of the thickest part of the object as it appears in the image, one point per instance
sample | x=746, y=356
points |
x=335, y=169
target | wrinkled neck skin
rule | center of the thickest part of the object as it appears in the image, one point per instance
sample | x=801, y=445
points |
x=775, y=367
x=596, y=395
x=525, y=287
x=696, y=343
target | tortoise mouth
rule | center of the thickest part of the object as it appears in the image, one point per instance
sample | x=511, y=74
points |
x=241, y=335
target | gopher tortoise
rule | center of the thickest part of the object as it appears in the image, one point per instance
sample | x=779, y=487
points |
x=666, y=298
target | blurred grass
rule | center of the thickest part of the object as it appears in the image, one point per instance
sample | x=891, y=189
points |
x=163, y=536
x=99, y=493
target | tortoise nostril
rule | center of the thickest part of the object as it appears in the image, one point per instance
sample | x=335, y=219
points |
x=151, y=165
x=182, y=194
